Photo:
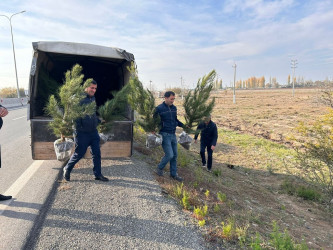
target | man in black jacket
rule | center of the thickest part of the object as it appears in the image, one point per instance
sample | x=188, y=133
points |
x=86, y=135
x=3, y=113
x=208, y=139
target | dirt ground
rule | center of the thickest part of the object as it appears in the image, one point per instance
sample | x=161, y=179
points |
x=269, y=113
x=254, y=196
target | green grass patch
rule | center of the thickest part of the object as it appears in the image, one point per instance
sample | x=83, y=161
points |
x=217, y=172
x=184, y=158
x=247, y=141
x=221, y=196
x=305, y=192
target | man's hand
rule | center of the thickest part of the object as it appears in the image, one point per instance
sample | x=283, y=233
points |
x=212, y=147
x=3, y=112
x=195, y=141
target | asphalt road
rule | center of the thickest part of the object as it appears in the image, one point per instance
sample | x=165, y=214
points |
x=29, y=182
x=128, y=212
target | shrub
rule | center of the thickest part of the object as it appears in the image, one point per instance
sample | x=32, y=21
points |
x=179, y=190
x=185, y=200
x=217, y=172
x=307, y=193
x=284, y=241
x=288, y=187
x=200, y=212
x=241, y=233
x=315, y=153
x=201, y=223
x=217, y=208
x=207, y=193
x=256, y=242
x=228, y=229
x=221, y=197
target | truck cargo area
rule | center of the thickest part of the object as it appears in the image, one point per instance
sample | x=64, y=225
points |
x=107, y=66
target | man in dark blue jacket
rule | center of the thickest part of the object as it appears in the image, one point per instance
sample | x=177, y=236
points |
x=3, y=113
x=168, y=113
x=208, y=139
x=86, y=135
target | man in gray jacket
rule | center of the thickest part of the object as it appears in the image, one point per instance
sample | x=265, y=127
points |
x=3, y=113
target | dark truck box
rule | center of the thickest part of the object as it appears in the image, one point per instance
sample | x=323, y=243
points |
x=106, y=65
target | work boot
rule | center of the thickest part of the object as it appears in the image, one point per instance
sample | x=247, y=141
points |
x=101, y=178
x=159, y=172
x=4, y=197
x=177, y=178
x=67, y=175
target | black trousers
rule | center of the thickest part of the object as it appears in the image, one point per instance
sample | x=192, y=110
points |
x=203, y=147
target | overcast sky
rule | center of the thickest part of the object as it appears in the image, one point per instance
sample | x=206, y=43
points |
x=176, y=39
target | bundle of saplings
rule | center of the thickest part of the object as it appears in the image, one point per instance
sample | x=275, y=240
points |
x=196, y=106
x=113, y=110
x=67, y=109
x=143, y=102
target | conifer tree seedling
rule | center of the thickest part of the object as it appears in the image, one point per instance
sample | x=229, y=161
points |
x=196, y=107
x=114, y=109
x=196, y=102
x=69, y=108
x=143, y=102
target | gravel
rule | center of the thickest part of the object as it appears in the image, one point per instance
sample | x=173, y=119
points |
x=128, y=212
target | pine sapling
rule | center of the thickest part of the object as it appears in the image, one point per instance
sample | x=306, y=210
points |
x=196, y=104
x=69, y=108
x=114, y=109
x=143, y=102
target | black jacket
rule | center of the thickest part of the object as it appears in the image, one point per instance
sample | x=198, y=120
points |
x=169, y=120
x=208, y=133
x=88, y=123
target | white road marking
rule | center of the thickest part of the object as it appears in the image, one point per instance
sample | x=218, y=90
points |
x=19, y=117
x=14, y=189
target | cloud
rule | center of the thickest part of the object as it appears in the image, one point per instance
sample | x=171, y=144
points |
x=173, y=39
x=258, y=9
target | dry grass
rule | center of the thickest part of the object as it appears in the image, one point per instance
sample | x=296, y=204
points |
x=271, y=114
x=254, y=198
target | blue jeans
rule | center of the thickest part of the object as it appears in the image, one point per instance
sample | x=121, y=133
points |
x=169, y=146
x=82, y=141
x=203, y=147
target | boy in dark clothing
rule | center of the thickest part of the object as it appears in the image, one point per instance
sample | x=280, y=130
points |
x=208, y=139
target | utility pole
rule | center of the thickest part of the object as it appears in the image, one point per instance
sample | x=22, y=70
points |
x=11, y=31
x=181, y=86
x=150, y=86
x=293, y=66
x=234, y=96
x=216, y=82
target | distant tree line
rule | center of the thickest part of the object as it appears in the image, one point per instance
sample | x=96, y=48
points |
x=260, y=82
x=11, y=92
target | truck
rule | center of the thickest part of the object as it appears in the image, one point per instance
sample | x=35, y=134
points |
x=108, y=66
